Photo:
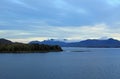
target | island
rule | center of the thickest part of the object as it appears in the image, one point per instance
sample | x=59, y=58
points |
x=7, y=46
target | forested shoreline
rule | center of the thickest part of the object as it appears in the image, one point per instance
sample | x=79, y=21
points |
x=23, y=48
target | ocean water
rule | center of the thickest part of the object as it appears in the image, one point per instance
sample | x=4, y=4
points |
x=72, y=63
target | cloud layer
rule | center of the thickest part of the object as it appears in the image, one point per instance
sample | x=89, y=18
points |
x=72, y=19
x=57, y=32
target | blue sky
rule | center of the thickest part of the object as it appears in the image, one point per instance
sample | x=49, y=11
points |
x=26, y=20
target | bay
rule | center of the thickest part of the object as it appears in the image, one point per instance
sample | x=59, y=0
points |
x=72, y=63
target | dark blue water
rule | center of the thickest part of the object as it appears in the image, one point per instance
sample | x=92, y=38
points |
x=72, y=63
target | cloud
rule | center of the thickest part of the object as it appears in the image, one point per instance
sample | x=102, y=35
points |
x=64, y=12
x=13, y=33
x=72, y=19
x=113, y=3
x=22, y=4
x=64, y=6
x=72, y=33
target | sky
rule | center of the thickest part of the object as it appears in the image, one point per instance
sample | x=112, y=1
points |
x=27, y=20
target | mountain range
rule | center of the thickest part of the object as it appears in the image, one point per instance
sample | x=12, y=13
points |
x=107, y=43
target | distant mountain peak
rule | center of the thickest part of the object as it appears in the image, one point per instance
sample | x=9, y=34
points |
x=111, y=39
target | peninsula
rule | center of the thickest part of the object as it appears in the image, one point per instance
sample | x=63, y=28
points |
x=7, y=46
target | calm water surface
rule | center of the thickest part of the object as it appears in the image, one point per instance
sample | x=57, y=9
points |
x=72, y=63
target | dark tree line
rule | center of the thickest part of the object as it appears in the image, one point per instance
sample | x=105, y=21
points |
x=21, y=48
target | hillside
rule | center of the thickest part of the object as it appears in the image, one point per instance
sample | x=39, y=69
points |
x=7, y=46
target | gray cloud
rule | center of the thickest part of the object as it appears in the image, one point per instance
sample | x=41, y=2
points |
x=47, y=15
x=61, y=12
